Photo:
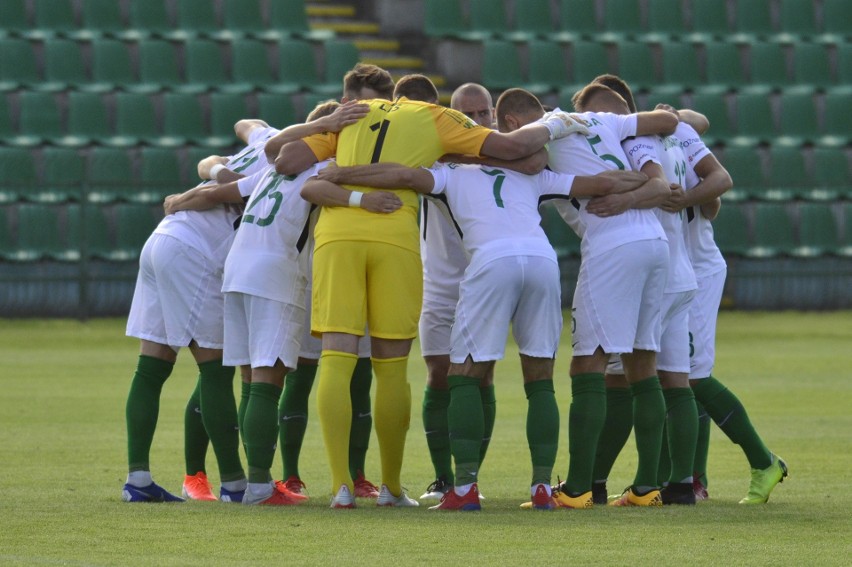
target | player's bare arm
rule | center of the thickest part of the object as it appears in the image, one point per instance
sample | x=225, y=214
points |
x=381, y=176
x=206, y=164
x=328, y=194
x=656, y=122
x=345, y=114
x=698, y=121
x=244, y=127
x=529, y=165
x=652, y=193
x=203, y=198
x=711, y=210
x=715, y=180
x=607, y=183
x=532, y=137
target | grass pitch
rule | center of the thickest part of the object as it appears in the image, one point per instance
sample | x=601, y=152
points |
x=63, y=455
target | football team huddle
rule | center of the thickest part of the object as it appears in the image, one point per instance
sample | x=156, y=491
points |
x=322, y=250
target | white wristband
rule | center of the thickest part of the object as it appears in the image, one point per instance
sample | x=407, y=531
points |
x=214, y=171
x=355, y=199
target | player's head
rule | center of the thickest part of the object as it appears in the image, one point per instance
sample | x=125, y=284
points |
x=322, y=109
x=596, y=97
x=474, y=101
x=365, y=81
x=516, y=108
x=416, y=87
x=620, y=86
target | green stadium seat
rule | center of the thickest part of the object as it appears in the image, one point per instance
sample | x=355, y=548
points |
x=564, y=241
x=831, y=179
x=486, y=19
x=243, y=16
x=837, y=120
x=621, y=21
x=715, y=108
x=225, y=110
x=63, y=174
x=730, y=228
x=18, y=174
x=836, y=15
x=183, y=121
x=724, y=68
x=52, y=18
x=818, y=231
x=135, y=120
x=532, y=20
x=844, y=68
x=18, y=66
x=662, y=94
x=159, y=175
x=146, y=19
x=588, y=60
x=110, y=175
x=158, y=67
x=276, y=110
x=290, y=18
x=811, y=65
x=63, y=65
x=88, y=231
x=189, y=166
x=204, y=69
x=753, y=20
x=250, y=65
x=13, y=14
x=100, y=17
x=443, y=18
x=746, y=169
x=297, y=67
x=309, y=102
x=754, y=119
x=40, y=119
x=577, y=20
x=709, y=20
x=340, y=57
x=636, y=64
x=773, y=231
x=6, y=130
x=37, y=233
x=501, y=65
x=798, y=119
x=7, y=244
x=788, y=176
x=546, y=64
x=134, y=223
x=111, y=66
x=797, y=20
x=194, y=18
x=665, y=21
x=768, y=65
x=845, y=249
x=87, y=119
x=680, y=65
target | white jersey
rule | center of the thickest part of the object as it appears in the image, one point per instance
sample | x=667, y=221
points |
x=441, y=249
x=496, y=210
x=588, y=155
x=211, y=232
x=667, y=153
x=267, y=258
x=700, y=244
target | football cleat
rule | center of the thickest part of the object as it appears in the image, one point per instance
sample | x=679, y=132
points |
x=295, y=485
x=699, y=489
x=764, y=480
x=630, y=498
x=197, y=487
x=364, y=488
x=467, y=503
x=437, y=489
x=542, y=497
x=281, y=486
x=678, y=493
x=234, y=496
x=343, y=498
x=402, y=501
x=151, y=493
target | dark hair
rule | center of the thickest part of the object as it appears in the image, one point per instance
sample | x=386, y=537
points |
x=517, y=101
x=620, y=86
x=582, y=97
x=322, y=109
x=416, y=87
x=364, y=75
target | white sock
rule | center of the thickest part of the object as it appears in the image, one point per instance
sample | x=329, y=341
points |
x=139, y=479
x=463, y=489
x=235, y=485
x=260, y=488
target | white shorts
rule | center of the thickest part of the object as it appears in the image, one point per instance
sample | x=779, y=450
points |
x=618, y=299
x=523, y=290
x=312, y=346
x=436, y=323
x=702, y=324
x=178, y=296
x=260, y=331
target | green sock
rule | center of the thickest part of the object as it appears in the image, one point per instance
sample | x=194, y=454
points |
x=615, y=432
x=702, y=447
x=293, y=416
x=219, y=412
x=489, y=412
x=664, y=466
x=542, y=428
x=362, y=416
x=245, y=392
x=435, y=404
x=731, y=417
x=195, y=437
x=649, y=416
x=585, y=421
x=466, y=424
x=143, y=407
x=681, y=432
x=261, y=430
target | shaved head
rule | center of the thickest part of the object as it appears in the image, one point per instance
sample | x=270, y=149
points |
x=474, y=101
x=516, y=108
